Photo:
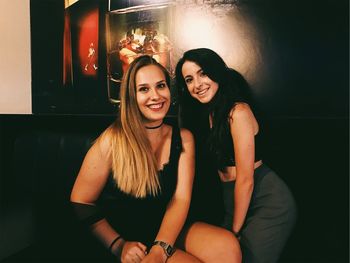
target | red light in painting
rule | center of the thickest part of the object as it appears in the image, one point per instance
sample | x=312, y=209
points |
x=88, y=44
x=67, y=52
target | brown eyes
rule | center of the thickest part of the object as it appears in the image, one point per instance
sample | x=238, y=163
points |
x=161, y=85
x=188, y=80
x=144, y=89
x=202, y=74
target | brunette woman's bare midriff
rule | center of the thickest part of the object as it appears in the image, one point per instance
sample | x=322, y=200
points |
x=230, y=172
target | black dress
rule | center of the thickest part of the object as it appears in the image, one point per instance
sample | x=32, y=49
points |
x=139, y=219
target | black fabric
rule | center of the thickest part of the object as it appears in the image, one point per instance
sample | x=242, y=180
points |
x=228, y=156
x=206, y=202
x=139, y=219
x=86, y=213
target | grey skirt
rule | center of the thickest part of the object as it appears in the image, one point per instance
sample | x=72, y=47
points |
x=270, y=218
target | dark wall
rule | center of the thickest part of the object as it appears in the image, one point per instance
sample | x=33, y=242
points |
x=304, y=48
x=305, y=94
x=46, y=22
x=305, y=100
x=311, y=155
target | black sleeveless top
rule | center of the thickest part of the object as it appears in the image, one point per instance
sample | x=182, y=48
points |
x=227, y=156
x=139, y=219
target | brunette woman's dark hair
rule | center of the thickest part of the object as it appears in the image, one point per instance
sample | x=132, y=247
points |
x=233, y=88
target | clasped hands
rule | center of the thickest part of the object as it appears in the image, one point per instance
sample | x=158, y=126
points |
x=135, y=252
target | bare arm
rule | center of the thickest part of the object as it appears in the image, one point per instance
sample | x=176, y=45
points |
x=177, y=209
x=90, y=181
x=243, y=127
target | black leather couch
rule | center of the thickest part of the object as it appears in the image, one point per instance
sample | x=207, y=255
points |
x=41, y=158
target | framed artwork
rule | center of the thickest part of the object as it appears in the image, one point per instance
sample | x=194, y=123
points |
x=84, y=56
x=101, y=38
x=134, y=31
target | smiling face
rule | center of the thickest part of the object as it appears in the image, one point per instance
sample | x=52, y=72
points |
x=152, y=94
x=199, y=85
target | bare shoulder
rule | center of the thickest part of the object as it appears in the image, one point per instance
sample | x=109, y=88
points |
x=242, y=118
x=186, y=136
x=104, y=142
x=241, y=111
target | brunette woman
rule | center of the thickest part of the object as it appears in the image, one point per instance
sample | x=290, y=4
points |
x=215, y=106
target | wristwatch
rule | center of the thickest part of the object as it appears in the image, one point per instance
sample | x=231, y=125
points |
x=168, y=249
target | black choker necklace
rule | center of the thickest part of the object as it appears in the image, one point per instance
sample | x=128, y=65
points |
x=154, y=127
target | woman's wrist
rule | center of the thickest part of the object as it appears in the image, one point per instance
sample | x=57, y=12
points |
x=236, y=232
x=116, y=246
x=159, y=251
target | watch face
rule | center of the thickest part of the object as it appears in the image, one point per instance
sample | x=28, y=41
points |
x=169, y=250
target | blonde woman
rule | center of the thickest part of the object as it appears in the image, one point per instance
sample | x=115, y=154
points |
x=134, y=186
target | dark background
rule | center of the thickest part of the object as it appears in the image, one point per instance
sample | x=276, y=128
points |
x=305, y=52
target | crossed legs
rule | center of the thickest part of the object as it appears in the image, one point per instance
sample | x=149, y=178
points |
x=209, y=244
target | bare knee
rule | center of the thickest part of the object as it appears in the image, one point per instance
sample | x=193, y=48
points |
x=232, y=242
x=182, y=257
x=212, y=244
x=228, y=247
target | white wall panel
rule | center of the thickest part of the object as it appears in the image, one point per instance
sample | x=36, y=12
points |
x=15, y=63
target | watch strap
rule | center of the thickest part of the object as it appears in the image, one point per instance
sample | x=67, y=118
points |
x=168, y=249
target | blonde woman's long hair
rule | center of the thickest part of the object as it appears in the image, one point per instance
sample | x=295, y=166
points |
x=134, y=165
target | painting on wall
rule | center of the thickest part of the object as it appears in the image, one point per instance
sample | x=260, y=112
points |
x=135, y=31
x=101, y=38
x=84, y=56
x=165, y=29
